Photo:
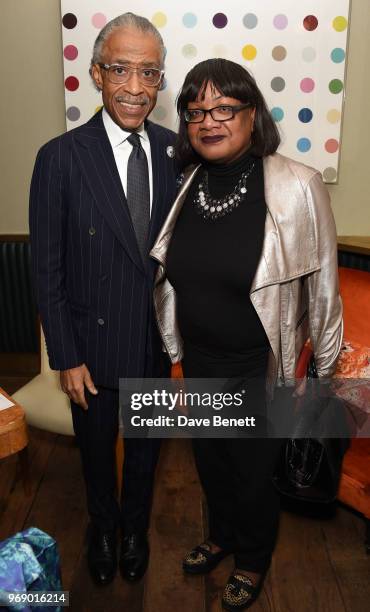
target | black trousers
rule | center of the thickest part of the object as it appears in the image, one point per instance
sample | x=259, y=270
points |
x=236, y=473
x=243, y=505
x=96, y=432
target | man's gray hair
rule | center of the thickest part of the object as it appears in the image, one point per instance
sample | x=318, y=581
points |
x=127, y=20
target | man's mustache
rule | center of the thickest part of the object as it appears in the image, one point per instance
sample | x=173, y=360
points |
x=139, y=101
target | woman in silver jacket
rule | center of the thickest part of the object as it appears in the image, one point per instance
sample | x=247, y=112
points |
x=243, y=207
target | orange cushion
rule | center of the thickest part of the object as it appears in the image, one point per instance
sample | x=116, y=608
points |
x=354, y=487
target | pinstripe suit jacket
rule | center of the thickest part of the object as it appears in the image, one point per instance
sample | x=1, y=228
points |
x=93, y=290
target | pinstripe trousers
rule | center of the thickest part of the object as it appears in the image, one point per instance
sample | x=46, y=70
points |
x=96, y=432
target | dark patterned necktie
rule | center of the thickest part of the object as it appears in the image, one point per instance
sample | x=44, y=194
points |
x=138, y=194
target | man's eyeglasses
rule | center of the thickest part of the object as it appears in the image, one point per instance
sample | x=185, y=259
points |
x=118, y=73
x=218, y=113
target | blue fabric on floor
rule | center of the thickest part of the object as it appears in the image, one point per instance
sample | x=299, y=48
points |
x=29, y=561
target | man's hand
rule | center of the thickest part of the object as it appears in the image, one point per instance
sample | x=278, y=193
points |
x=73, y=382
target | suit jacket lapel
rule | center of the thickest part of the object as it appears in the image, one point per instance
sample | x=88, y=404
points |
x=159, y=161
x=95, y=157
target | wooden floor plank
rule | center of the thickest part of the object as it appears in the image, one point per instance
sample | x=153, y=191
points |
x=59, y=506
x=15, y=505
x=176, y=526
x=8, y=473
x=119, y=595
x=344, y=539
x=301, y=575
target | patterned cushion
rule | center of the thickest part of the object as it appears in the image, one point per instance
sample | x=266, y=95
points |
x=353, y=372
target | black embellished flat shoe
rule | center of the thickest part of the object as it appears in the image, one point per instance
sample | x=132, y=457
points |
x=240, y=592
x=202, y=560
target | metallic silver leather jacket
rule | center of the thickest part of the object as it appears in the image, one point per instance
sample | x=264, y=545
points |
x=295, y=288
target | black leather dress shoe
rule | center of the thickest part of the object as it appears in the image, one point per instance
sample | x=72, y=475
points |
x=134, y=556
x=102, y=556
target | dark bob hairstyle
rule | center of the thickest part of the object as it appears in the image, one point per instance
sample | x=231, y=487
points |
x=232, y=81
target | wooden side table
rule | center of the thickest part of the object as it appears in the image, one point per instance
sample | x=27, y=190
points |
x=13, y=437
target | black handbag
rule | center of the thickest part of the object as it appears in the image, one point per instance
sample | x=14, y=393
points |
x=309, y=468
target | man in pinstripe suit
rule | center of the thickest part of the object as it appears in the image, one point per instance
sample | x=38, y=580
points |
x=90, y=246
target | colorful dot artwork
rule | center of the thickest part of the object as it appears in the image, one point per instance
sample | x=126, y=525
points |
x=296, y=51
x=220, y=20
x=277, y=113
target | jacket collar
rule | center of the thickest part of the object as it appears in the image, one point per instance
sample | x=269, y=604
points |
x=288, y=226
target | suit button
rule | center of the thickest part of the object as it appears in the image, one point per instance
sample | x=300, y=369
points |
x=92, y=231
x=101, y=321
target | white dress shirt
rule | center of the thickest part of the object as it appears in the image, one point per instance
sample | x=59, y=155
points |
x=122, y=149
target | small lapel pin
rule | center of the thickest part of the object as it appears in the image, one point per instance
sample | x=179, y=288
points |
x=170, y=152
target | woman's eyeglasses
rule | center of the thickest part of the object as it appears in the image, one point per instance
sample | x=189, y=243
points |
x=218, y=113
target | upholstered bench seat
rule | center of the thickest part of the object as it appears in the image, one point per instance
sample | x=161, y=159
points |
x=43, y=401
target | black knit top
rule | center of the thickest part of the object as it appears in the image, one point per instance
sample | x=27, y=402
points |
x=211, y=263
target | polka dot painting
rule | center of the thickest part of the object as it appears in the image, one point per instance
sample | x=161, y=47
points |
x=189, y=20
x=70, y=52
x=277, y=113
x=220, y=20
x=335, y=86
x=295, y=50
x=189, y=51
x=277, y=84
x=280, y=22
x=332, y=145
x=279, y=53
x=304, y=145
x=69, y=21
x=73, y=113
x=338, y=55
x=340, y=23
x=333, y=115
x=305, y=115
x=99, y=20
x=310, y=23
x=309, y=54
x=71, y=83
x=249, y=52
x=159, y=20
x=250, y=20
x=307, y=85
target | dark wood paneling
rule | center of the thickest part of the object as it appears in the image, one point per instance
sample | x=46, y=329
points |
x=354, y=244
x=14, y=238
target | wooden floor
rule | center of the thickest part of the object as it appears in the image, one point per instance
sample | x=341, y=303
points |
x=318, y=564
